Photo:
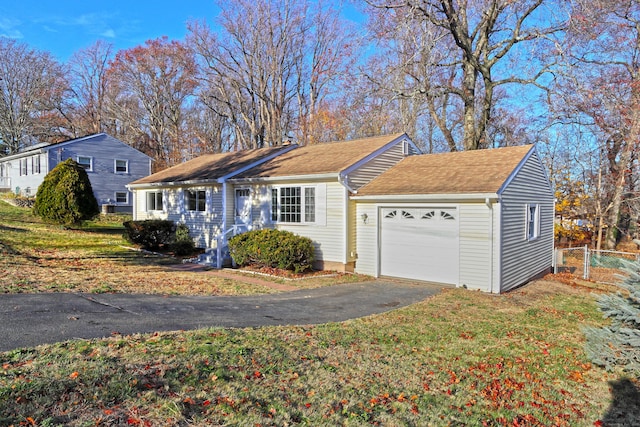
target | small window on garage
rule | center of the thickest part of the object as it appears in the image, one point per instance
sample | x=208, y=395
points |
x=391, y=214
x=428, y=215
x=446, y=216
x=533, y=221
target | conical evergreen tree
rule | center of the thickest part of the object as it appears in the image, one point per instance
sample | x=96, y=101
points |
x=65, y=196
x=619, y=343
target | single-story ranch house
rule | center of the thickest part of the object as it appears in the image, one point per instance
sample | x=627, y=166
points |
x=478, y=219
x=110, y=164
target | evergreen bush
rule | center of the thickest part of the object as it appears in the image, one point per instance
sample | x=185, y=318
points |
x=65, y=196
x=619, y=343
x=272, y=248
x=183, y=243
x=151, y=234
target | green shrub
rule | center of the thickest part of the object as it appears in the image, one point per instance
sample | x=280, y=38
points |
x=65, y=196
x=272, y=248
x=150, y=233
x=183, y=243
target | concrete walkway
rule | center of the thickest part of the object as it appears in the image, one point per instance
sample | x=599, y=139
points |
x=27, y=320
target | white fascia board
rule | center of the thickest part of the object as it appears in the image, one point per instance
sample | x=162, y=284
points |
x=24, y=154
x=373, y=155
x=427, y=197
x=516, y=170
x=173, y=184
x=285, y=149
x=310, y=177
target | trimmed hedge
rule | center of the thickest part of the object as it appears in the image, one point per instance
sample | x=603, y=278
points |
x=150, y=233
x=272, y=248
x=182, y=243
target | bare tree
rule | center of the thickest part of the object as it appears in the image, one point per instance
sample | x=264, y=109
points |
x=462, y=54
x=32, y=89
x=155, y=82
x=88, y=69
x=271, y=70
x=600, y=84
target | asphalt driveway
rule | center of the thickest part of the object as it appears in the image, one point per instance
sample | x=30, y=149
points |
x=27, y=320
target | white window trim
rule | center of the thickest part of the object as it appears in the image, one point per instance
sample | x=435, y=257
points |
x=530, y=234
x=115, y=197
x=36, y=165
x=90, y=168
x=302, y=205
x=115, y=166
x=146, y=201
x=185, y=204
x=24, y=171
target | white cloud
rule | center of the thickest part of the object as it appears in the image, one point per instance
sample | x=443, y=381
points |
x=110, y=34
x=8, y=28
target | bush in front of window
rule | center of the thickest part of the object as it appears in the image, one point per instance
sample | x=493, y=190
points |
x=65, y=196
x=151, y=234
x=182, y=243
x=272, y=248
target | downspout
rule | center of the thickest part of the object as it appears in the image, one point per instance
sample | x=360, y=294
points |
x=491, y=249
x=347, y=215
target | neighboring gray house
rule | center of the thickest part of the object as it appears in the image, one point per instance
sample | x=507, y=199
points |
x=478, y=219
x=110, y=163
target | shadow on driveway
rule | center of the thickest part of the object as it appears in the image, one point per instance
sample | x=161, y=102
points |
x=27, y=320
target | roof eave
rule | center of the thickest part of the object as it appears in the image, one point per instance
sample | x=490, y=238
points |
x=171, y=183
x=309, y=177
x=427, y=197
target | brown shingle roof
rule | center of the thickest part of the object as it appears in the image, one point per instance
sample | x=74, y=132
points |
x=479, y=171
x=209, y=166
x=331, y=157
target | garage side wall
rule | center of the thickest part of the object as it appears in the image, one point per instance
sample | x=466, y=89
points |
x=476, y=246
x=367, y=239
x=524, y=258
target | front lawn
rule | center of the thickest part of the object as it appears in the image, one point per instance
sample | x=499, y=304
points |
x=38, y=257
x=459, y=358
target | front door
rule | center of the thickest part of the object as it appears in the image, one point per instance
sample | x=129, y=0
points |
x=243, y=206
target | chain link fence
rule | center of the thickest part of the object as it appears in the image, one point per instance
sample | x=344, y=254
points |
x=590, y=264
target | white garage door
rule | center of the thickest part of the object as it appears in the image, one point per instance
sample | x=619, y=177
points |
x=420, y=243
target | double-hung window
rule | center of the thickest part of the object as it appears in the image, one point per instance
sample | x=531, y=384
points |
x=293, y=204
x=86, y=162
x=121, y=166
x=154, y=201
x=195, y=200
x=533, y=221
x=35, y=164
x=23, y=167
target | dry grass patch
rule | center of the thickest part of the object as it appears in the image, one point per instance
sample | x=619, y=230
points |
x=459, y=358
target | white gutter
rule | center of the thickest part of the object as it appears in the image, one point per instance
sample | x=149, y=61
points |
x=427, y=197
x=310, y=177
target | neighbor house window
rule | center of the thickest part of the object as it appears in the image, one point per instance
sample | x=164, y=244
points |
x=122, y=197
x=533, y=221
x=195, y=200
x=293, y=204
x=23, y=166
x=35, y=164
x=86, y=162
x=154, y=201
x=121, y=166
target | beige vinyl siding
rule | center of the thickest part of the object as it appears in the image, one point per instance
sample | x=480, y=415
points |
x=373, y=168
x=475, y=246
x=328, y=237
x=522, y=259
x=367, y=239
x=352, y=231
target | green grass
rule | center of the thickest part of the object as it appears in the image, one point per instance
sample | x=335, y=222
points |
x=459, y=358
x=39, y=257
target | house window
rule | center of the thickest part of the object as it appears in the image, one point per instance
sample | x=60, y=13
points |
x=23, y=167
x=195, y=200
x=274, y=204
x=86, y=162
x=309, y=204
x=533, y=221
x=122, y=197
x=35, y=164
x=121, y=166
x=154, y=201
x=293, y=204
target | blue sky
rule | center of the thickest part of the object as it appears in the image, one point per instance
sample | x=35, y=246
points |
x=65, y=26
